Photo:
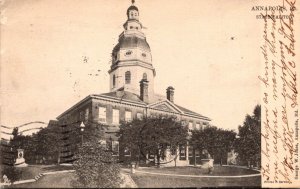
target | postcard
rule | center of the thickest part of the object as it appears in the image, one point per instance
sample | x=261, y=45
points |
x=160, y=94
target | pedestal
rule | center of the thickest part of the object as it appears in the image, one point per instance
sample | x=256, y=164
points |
x=207, y=163
x=20, y=161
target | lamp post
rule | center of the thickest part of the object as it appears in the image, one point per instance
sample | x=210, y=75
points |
x=82, y=126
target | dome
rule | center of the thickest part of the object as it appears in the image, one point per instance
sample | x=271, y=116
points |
x=128, y=42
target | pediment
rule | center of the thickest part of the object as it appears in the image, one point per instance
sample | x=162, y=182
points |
x=165, y=106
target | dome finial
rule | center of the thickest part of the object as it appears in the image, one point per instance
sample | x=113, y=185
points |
x=132, y=1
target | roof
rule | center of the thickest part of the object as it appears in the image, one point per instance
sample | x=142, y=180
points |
x=125, y=95
x=190, y=112
x=122, y=95
x=132, y=42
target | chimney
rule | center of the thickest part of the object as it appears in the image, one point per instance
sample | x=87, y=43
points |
x=170, y=94
x=144, y=90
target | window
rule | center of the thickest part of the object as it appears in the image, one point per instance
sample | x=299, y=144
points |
x=173, y=150
x=144, y=54
x=190, y=126
x=115, y=148
x=139, y=116
x=86, y=116
x=197, y=153
x=182, y=152
x=197, y=126
x=102, y=114
x=115, y=116
x=205, y=125
x=131, y=27
x=190, y=151
x=81, y=116
x=145, y=76
x=128, y=117
x=114, y=81
x=127, y=77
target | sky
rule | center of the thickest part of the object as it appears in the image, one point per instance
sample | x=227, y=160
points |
x=54, y=53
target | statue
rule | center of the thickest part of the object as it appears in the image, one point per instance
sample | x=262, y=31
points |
x=6, y=180
x=20, y=161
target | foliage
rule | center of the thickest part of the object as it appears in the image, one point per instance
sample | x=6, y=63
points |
x=248, y=144
x=152, y=135
x=72, y=136
x=96, y=168
x=94, y=165
x=12, y=173
x=40, y=145
x=216, y=141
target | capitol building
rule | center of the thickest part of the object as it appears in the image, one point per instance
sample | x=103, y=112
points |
x=131, y=94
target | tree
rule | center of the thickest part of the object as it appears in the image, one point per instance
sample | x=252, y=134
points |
x=249, y=141
x=94, y=164
x=46, y=144
x=152, y=135
x=8, y=156
x=216, y=141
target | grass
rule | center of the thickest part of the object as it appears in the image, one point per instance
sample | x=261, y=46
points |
x=148, y=181
x=157, y=181
x=33, y=170
x=56, y=168
x=218, y=171
x=65, y=180
x=50, y=181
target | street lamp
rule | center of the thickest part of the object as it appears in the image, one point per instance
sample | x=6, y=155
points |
x=82, y=126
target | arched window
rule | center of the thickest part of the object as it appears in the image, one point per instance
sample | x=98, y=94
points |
x=114, y=80
x=145, y=76
x=127, y=77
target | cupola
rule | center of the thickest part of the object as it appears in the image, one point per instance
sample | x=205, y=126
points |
x=133, y=12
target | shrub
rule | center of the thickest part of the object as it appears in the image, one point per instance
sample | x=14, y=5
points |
x=95, y=167
x=12, y=173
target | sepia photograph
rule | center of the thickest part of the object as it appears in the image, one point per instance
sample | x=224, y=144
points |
x=149, y=94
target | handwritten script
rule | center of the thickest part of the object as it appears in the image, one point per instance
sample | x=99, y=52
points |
x=279, y=98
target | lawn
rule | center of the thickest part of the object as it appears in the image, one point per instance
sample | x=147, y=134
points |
x=33, y=170
x=147, y=180
x=157, y=181
x=218, y=171
x=64, y=180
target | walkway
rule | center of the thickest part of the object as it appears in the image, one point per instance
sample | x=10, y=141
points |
x=194, y=176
